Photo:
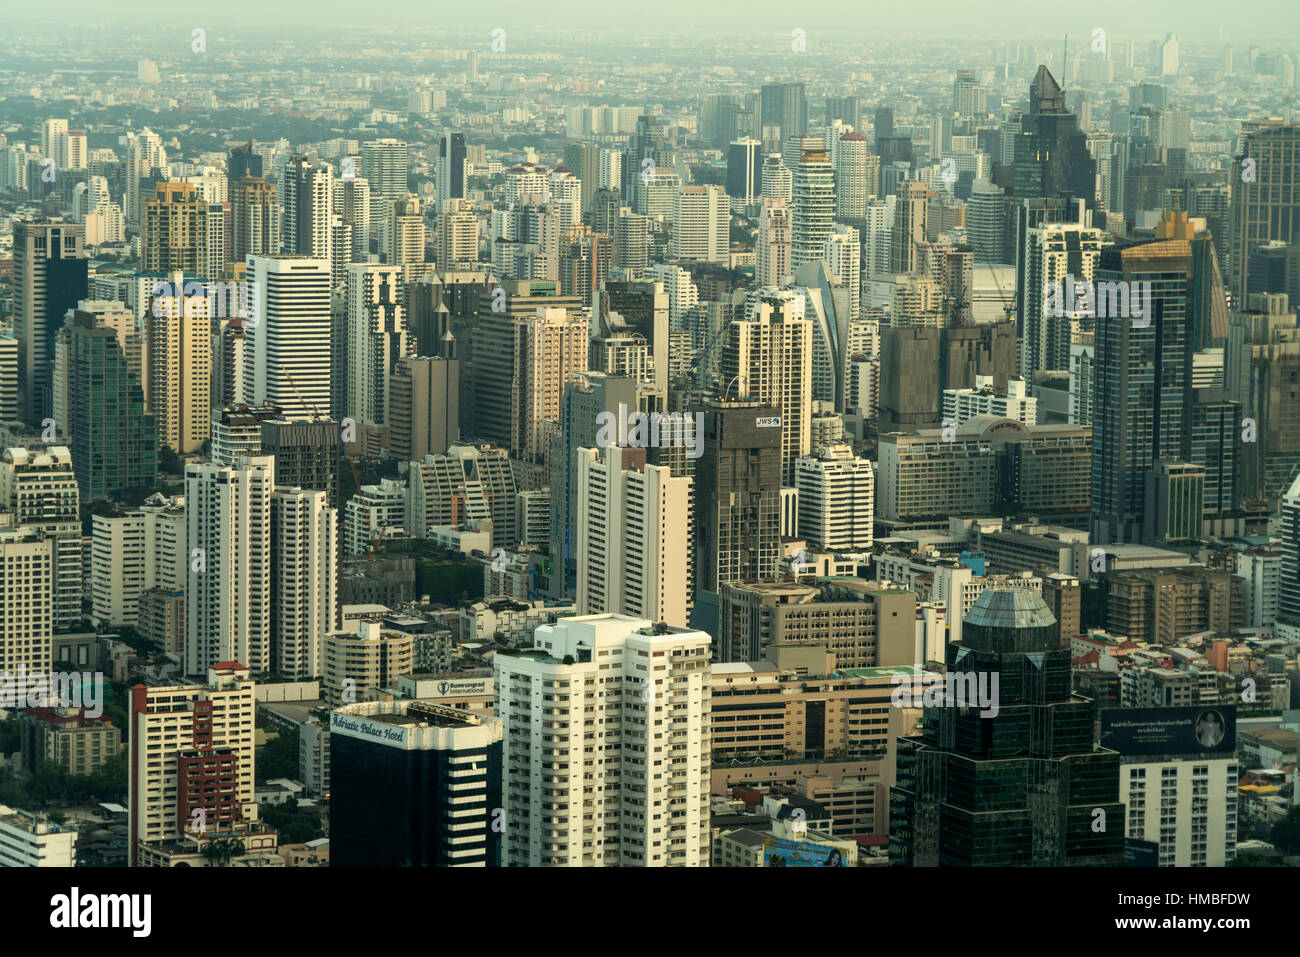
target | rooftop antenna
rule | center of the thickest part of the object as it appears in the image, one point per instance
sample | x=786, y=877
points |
x=1065, y=45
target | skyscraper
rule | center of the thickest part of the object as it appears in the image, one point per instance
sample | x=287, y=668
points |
x=288, y=359
x=772, y=250
x=584, y=160
x=633, y=536
x=50, y=277
x=744, y=171
x=254, y=220
x=308, y=198
x=853, y=181
x=910, y=211
x=377, y=338
x=836, y=500
x=945, y=809
x=785, y=109
x=738, y=493
x=179, y=347
x=304, y=576
x=701, y=221
x=423, y=406
x=228, y=593
x=639, y=797
x=1055, y=255
x=1051, y=154
x=181, y=232
x=385, y=164
x=813, y=205
x=1265, y=203
x=451, y=167
x=39, y=490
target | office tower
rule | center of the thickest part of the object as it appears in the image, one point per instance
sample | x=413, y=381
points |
x=306, y=454
x=50, y=277
x=813, y=206
x=466, y=482
x=883, y=125
x=738, y=481
x=1265, y=204
x=846, y=109
x=385, y=164
x=228, y=593
x=1169, y=55
x=633, y=536
x=521, y=359
x=1262, y=361
x=988, y=464
x=353, y=196
x=582, y=403
x=237, y=432
x=1050, y=783
x=360, y=664
x=1051, y=154
x=650, y=688
x=768, y=359
x=911, y=207
x=304, y=573
x=145, y=158
x=254, y=220
x=836, y=500
x=191, y=751
x=778, y=181
x=114, y=441
x=853, y=182
x=451, y=167
x=457, y=241
x=701, y=225
x=39, y=489
x=179, y=349
x=414, y=784
x=909, y=401
x=842, y=255
x=377, y=338
x=1055, y=255
x=986, y=221
x=308, y=197
x=288, y=358
x=241, y=163
x=423, y=406
x=969, y=99
x=405, y=246
x=649, y=150
x=181, y=232
x=784, y=109
x=583, y=159
x=1141, y=396
x=772, y=250
x=744, y=171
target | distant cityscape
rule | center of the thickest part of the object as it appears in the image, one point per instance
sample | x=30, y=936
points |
x=544, y=446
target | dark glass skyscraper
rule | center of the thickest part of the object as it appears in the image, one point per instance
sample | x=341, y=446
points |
x=1024, y=787
x=1051, y=155
x=784, y=105
x=414, y=784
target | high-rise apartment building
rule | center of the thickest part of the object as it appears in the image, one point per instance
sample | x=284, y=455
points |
x=423, y=406
x=629, y=784
x=179, y=350
x=633, y=536
x=813, y=205
x=701, y=224
x=465, y=483
x=191, y=759
x=39, y=490
x=836, y=500
x=306, y=454
x=911, y=207
x=255, y=226
x=856, y=172
x=181, y=232
x=304, y=574
x=228, y=586
x=377, y=338
x=772, y=251
x=385, y=163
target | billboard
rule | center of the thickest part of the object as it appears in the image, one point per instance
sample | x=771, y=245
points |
x=1208, y=730
x=783, y=853
x=1139, y=853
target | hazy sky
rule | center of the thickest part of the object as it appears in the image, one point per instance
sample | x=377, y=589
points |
x=1190, y=19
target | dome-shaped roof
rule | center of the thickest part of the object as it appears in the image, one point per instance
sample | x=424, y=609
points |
x=1010, y=608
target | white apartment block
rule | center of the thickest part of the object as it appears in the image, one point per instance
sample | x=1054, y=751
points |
x=134, y=552
x=175, y=726
x=27, y=583
x=40, y=491
x=364, y=659
x=836, y=500
x=1082, y=372
x=607, y=749
x=1188, y=806
x=304, y=600
x=843, y=256
x=30, y=840
x=1262, y=570
x=961, y=405
x=632, y=537
x=228, y=582
x=701, y=225
x=373, y=509
x=772, y=251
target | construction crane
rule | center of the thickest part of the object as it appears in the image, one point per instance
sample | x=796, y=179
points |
x=298, y=392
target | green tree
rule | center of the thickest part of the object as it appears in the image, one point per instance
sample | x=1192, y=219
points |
x=1285, y=835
